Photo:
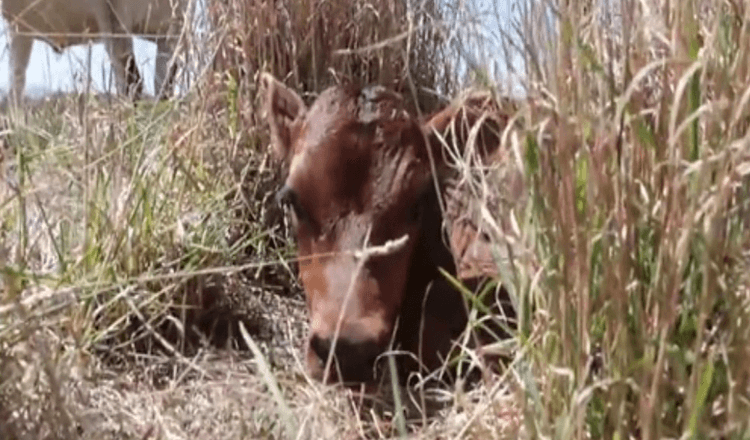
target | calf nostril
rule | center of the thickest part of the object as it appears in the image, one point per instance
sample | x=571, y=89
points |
x=354, y=361
x=320, y=347
x=365, y=353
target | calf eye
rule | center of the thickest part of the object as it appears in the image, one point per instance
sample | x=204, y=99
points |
x=288, y=198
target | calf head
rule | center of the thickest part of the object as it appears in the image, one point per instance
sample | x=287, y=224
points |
x=364, y=207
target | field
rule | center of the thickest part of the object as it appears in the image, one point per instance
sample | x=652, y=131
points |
x=149, y=288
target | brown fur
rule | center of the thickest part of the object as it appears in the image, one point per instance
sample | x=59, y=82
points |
x=359, y=174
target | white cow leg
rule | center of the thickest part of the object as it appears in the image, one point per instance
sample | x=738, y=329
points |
x=126, y=71
x=165, y=71
x=20, y=51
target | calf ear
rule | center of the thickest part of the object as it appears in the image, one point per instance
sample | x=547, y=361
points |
x=476, y=122
x=282, y=107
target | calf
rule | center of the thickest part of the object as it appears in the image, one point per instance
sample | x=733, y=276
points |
x=64, y=23
x=365, y=206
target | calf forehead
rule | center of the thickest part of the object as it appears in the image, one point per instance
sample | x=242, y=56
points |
x=356, y=144
x=349, y=114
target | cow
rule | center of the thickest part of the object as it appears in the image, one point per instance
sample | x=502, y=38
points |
x=364, y=183
x=62, y=24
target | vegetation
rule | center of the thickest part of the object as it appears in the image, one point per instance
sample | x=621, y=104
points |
x=148, y=286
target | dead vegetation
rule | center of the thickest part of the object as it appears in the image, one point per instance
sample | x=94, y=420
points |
x=148, y=289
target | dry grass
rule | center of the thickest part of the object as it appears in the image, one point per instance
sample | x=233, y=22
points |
x=641, y=214
x=312, y=44
x=138, y=242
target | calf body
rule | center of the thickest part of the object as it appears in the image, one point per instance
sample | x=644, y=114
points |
x=64, y=23
x=364, y=199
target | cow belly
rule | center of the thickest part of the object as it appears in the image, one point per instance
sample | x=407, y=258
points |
x=60, y=23
x=150, y=18
x=65, y=23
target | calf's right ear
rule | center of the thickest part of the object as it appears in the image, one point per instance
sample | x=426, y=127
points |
x=283, y=107
x=478, y=113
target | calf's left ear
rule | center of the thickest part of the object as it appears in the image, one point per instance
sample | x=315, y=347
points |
x=283, y=107
x=475, y=122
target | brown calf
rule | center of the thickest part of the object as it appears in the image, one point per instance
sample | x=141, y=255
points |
x=365, y=207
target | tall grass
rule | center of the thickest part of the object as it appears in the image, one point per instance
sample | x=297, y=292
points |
x=640, y=205
x=313, y=44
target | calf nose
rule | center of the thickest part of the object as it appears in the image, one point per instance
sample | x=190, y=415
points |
x=353, y=360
